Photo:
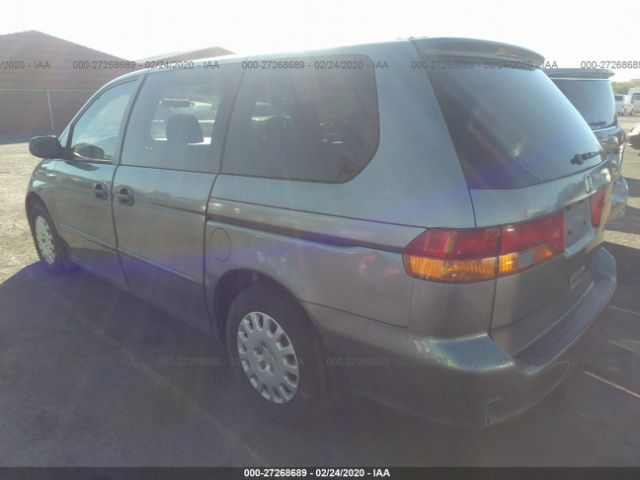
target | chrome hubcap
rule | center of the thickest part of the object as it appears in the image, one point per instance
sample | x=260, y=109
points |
x=44, y=237
x=267, y=357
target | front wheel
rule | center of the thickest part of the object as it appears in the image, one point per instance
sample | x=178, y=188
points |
x=48, y=243
x=276, y=354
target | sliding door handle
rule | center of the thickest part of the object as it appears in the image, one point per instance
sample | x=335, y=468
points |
x=125, y=196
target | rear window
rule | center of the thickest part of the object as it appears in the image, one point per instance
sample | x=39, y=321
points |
x=313, y=124
x=592, y=98
x=511, y=127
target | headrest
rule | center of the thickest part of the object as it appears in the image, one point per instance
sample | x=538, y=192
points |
x=184, y=129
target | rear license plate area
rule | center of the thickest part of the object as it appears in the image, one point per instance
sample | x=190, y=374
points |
x=576, y=222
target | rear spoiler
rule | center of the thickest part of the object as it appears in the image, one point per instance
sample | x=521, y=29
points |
x=473, y=49
x=603, y=73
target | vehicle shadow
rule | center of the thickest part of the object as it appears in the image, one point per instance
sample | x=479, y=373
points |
x=628, y=262
x=68, y=330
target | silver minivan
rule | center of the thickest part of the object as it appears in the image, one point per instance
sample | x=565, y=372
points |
x=418, y=221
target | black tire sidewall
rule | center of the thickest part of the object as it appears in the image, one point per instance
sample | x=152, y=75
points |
x=311, y=393
x=59, y=265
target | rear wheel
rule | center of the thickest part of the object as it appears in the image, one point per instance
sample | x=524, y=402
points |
x=49, y=245
x=275, y=354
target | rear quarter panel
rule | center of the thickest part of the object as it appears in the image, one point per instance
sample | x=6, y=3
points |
x=340, y=245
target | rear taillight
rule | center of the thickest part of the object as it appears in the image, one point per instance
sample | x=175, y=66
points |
x=526, y=244
x=597, y=206
x=453, y=255
x=449, y=255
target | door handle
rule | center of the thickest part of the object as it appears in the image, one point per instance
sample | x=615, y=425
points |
x=100, y=190
x=125, y=196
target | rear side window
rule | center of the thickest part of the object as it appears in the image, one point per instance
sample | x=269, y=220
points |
x=172, y=122
x=318, y=123
x=593, y=99
x=511, y=127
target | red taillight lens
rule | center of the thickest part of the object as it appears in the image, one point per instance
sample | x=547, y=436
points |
x=597, y=207
x=526, y=244
x=472, y=255
x=455, y=244
x=453, y=255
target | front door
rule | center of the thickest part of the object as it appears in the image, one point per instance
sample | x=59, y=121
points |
x=83, y=194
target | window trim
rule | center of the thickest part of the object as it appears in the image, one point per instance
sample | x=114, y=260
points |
x=311, y=58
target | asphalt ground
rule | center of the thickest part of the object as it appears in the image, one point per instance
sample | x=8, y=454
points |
x=90, y=375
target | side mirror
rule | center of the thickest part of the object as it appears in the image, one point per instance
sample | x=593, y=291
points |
x=46, y=147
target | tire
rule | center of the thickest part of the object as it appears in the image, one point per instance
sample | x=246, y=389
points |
x=263, y=304
x=49, y=245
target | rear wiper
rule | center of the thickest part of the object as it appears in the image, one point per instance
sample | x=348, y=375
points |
x=580, y=158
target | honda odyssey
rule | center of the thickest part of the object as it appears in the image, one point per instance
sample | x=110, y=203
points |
x=398, y=219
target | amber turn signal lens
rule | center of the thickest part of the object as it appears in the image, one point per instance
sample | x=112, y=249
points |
x=451, y=270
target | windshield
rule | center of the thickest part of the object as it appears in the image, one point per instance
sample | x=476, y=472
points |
x=592, y=98
x=511, y=127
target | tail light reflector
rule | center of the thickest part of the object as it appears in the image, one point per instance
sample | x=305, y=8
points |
x=472, y=255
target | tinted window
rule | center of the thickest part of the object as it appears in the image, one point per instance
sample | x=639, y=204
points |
x=172, y=122
x=511, y=127
x=593, y=99
x=96, y=133
x=314, y=124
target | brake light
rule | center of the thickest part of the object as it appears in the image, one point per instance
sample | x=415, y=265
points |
x=597, y=207
x=458, y=256
x=453, y=255
x=526, y=244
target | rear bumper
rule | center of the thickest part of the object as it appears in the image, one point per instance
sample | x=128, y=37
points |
x=469, y=381
x=619, y=197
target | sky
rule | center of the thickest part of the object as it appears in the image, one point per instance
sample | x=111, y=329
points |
x=564, y=32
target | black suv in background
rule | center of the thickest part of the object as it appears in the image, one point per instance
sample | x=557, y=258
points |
x=590, y=91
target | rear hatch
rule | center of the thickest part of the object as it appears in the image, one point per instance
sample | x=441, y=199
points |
x=534, y=170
